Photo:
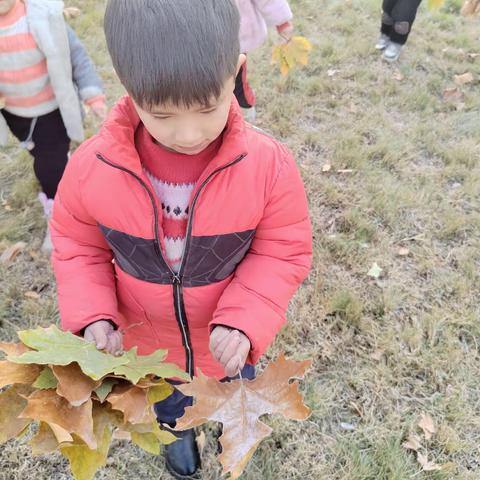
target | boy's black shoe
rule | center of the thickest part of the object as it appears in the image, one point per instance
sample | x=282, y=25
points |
x=181, y=457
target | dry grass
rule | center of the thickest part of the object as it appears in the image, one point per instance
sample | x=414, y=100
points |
x=384, y=351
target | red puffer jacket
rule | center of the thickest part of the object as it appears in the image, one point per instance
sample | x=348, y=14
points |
x=248, y=244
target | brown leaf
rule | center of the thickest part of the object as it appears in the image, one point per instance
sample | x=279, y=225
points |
x=47, y=406
x=403, y=252
x=13, y=349
x=12, y=403
x=44, y=441
x=464, y=78
x=239, y=404
x=11, y=252
x=71, y=12
x=431, y=466
x=11, y=373
x=133, y=403
x=398, y=75
x=426, y=424
x=452, y=94
x=32, y=294
x=412, y=443
x=73, y=384
x=60, y=433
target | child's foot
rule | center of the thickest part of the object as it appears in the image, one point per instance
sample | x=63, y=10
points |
x=181, y=457
x=249, y=114
x=392, y=52
x=382, y=42
x=47, y=204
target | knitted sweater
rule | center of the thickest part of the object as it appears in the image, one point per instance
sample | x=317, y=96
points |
x=24, y=80
x=173, y=177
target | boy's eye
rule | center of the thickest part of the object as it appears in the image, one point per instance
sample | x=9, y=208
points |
x=210, y=110
x=161, y=117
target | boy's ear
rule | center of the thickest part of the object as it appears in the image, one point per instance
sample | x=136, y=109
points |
x=242, y=58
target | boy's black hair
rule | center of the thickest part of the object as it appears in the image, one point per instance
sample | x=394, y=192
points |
x=173, y=51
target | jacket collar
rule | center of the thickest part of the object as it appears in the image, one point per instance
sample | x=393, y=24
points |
x=118, y=137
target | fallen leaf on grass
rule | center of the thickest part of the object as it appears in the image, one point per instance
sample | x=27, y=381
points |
x=326, y=168
x=239, y=404
x=12, y=252
x=403, y=252
x=32, y=294
x=412, y=443
x=453, y=94
x=375, y=271
x=430, y=466
x=13, y=349
x=427, y=425
x=464, y=78
x=72, y=12
x=398, y=75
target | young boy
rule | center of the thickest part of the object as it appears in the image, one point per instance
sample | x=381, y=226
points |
x=179, y=226
x=44, y=74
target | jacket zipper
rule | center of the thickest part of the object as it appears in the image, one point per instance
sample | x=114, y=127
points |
x=177, y=278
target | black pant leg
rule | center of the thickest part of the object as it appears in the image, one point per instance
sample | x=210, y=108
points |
x=387, y=20
x=51, y=147
x=403, y=14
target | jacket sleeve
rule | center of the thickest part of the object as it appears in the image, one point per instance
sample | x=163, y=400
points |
x=274, y=12
x=81, y=259
x=279, y=259
x=84, y=75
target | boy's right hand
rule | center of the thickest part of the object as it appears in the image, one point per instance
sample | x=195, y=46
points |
x=105, y=337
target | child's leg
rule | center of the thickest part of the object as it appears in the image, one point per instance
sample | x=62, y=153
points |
x=387, y=20
x=50, y=147
x=403, y=15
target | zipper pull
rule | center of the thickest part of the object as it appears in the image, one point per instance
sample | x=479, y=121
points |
x=176, y=280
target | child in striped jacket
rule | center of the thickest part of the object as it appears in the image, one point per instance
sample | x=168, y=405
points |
x=45, y=73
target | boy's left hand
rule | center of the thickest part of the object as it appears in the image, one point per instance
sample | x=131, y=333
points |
x=229, y=347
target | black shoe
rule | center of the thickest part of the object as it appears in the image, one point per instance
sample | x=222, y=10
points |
x=181, y=457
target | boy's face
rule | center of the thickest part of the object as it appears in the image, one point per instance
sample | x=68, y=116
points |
x=6, y=6
x=189, y=130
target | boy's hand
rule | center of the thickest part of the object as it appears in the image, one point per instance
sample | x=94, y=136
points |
x=105, y=337
x=229, y=347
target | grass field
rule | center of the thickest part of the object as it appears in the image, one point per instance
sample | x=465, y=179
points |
x=392, y=169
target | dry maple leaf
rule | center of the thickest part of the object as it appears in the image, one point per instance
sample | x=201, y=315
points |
x=11, y=373
x=47, y=406
x=13, y=349
x=73, y=384
x=426, y=424
x=133, y=403
x=289, y=55
x=238, y=405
